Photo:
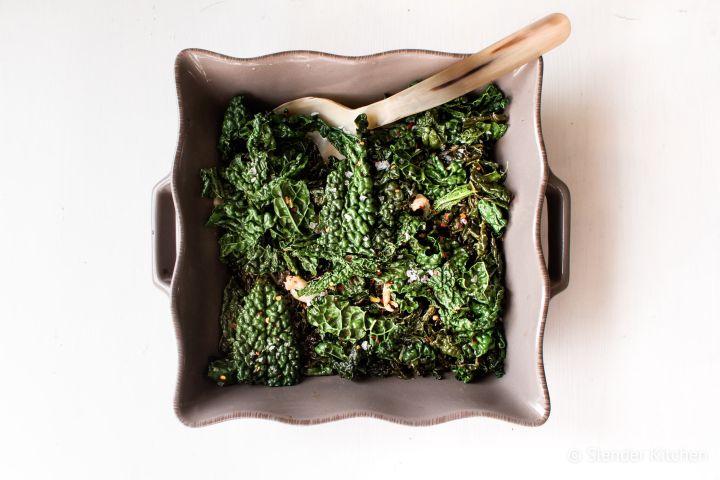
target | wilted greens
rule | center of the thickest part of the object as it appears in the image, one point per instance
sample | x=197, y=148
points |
x=387, y=262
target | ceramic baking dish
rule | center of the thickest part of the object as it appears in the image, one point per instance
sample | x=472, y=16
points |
x=186, y=261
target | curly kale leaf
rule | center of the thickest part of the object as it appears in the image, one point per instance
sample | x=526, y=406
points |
x=261, y=141
x=246, y=175
x=244, y=228
x=350, y=210
x=478, y=131
x=337, y=317
x=453, y=197
x=292, y=207
x=437, y=179
x=235, y=128
x=212, y=185
x=333, y=315
x=480, y=355
x=231, y=307
x=491, y=100
x=333, y=240
x=259, y=339
x=393, y=201
x=493, y=214
x=342, y=272
x=392, y=291
x=348, y=331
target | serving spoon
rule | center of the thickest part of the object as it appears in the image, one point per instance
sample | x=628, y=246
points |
x=458, y=79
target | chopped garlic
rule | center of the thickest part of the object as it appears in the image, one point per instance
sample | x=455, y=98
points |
x=420, y=201
x=294, y=283
x=412, y=275
x=382, y=165
x=385, y=294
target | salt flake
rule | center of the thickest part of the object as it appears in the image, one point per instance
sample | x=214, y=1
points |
x=382, y=165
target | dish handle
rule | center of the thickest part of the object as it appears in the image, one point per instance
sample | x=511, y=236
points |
x=164, y=247
x=558, y=204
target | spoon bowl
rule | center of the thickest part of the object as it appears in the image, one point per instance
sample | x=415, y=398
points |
x=460, y=78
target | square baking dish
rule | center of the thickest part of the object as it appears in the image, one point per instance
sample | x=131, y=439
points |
x=186, y=263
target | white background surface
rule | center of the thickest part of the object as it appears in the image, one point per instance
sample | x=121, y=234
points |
x=88, y=123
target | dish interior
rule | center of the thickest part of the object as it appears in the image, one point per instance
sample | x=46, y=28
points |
x=206, y=82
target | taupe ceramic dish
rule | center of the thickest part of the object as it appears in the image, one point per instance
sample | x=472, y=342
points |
x=186, y=265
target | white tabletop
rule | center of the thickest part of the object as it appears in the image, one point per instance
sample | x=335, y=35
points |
x=88, y=123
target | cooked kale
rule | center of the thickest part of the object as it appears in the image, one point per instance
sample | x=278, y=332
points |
x=386, y=262
x=257, y=336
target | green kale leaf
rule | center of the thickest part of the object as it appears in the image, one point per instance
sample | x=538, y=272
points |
x=384, y=290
